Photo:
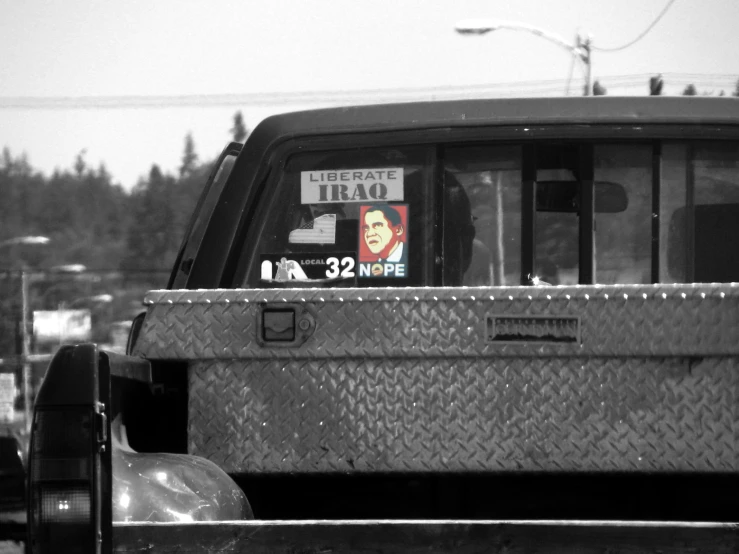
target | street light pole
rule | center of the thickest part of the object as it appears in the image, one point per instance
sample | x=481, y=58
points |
x=26, y=351
x=25, y=335
x=585, y=53
x=581, y=49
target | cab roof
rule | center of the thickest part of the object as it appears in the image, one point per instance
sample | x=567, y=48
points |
x=493, y=112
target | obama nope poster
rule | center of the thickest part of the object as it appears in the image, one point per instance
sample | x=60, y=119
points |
x=383, y=240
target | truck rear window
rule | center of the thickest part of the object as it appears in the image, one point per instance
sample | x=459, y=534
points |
x=459, y=214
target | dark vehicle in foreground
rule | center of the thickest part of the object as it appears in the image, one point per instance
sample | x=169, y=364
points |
x=12, y=487
x=500, y=325
x=12, y=473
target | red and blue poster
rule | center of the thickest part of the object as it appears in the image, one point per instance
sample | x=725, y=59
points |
x=383, y=240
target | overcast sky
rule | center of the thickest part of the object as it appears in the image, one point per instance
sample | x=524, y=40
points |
x=55, y=49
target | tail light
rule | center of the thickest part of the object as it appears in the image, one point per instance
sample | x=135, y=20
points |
x=61, y=480
x=66, y=469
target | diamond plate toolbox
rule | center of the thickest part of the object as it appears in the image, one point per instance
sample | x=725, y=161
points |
x=586, y=378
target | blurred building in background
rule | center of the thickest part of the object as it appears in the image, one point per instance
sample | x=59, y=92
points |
x=62, y=306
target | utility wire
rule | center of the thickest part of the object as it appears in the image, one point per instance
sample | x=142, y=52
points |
x=328, y=97
x=641, y=36
x=360, y=96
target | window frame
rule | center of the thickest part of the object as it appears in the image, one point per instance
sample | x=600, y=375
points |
x=201, y=217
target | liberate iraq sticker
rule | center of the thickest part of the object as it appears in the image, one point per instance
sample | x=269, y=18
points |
x=352, y=185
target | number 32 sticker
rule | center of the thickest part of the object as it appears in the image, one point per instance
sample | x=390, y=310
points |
x=345, y=267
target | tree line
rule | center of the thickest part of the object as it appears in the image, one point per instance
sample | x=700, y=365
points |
x=656, y=86
x=93, y=221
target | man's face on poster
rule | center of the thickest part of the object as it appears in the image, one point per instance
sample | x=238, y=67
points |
x=380, y=235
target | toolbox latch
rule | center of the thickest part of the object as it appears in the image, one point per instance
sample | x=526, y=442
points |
x=284, y=324
x=278, y=325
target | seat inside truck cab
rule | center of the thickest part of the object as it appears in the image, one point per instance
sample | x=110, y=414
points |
x=712, y=254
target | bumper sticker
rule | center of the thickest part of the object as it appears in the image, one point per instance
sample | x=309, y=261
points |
x=352, y=185
x=307, y=266
x=322, y=230
x=383, y=240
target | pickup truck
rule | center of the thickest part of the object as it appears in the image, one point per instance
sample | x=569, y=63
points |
x=460, y=326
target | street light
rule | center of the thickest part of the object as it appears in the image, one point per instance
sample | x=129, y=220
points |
x=581, y=49
x=69, y=268
x=97, y=298
x=25, y=240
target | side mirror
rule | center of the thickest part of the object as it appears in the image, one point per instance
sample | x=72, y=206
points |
x=564, y=197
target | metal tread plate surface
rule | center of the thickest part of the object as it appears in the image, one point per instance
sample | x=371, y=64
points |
x=398, y=380
x=598, y=414
x=648, y=320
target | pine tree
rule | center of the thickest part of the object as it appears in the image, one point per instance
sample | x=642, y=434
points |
x=79, y=163
x=152, y=239
x=7, y=162
x=189, y=157
x=239, y=130
x=736, y=90
x=690, y=90
x=655, y=85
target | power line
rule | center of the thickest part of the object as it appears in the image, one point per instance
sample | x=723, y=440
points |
x=268, y=98
x=641, y=36
x=323, y=98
